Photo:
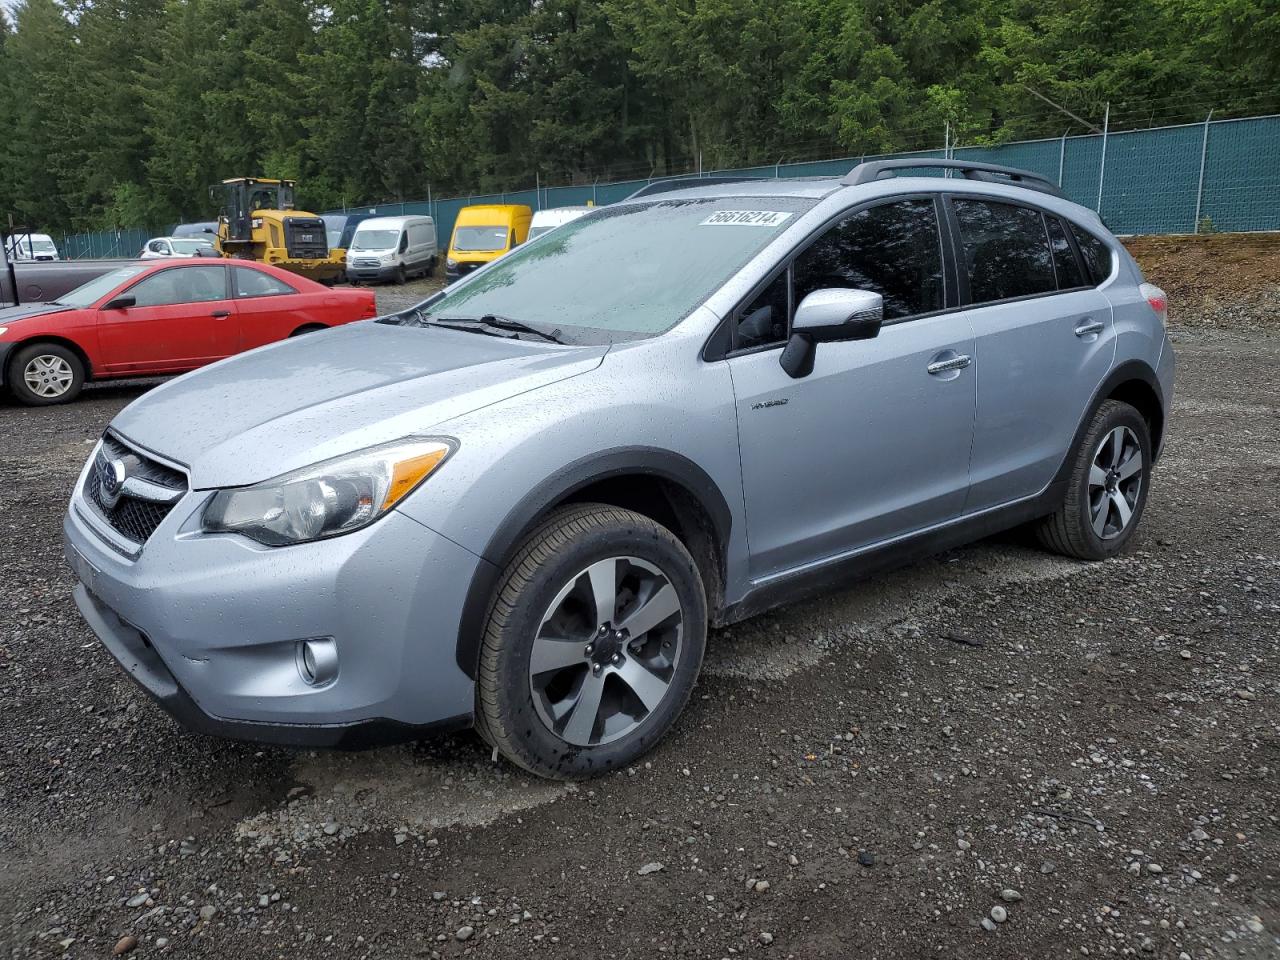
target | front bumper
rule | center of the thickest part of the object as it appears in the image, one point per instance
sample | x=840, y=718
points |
x=384, y=272
x=209, y=626
x=461, y=270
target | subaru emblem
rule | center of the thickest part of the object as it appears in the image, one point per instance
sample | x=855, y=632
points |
x=112, y=481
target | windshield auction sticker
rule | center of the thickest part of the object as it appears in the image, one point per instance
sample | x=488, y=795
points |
x=745, y=218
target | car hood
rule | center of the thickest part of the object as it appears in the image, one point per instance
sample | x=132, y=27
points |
x=27, y=310
x=310, y=398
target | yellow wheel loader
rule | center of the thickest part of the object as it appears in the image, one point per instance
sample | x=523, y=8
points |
x=258, y=222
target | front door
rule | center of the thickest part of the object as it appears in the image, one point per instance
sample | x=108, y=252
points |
x=181, y=318
x=875, y=442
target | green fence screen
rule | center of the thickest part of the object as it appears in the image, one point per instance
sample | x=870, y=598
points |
x=1222, y=175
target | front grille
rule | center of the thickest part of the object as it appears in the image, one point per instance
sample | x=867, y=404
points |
x=366, y=264
x=133, y=517
x=464, y=268
x=305, y=238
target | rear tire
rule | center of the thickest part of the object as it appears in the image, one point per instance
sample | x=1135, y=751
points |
x=43, y=374
x=1107, y=489
x=312, y=328
x=593, y=643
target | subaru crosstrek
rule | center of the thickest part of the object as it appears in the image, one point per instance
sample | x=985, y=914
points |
x=520, y=504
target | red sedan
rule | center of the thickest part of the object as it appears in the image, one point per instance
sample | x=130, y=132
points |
x=145, y=319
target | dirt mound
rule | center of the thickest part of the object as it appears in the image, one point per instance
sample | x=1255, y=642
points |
x=1224, y=279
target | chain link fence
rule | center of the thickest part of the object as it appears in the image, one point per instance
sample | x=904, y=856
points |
x=1218, y=175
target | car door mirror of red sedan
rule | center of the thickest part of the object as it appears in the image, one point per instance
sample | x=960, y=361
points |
x=120, y=303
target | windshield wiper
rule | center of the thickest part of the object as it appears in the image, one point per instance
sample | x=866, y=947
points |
x=496, y=322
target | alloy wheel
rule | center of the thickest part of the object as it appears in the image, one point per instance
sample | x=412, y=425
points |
x=1115, y=482
x=606, y=651
x=48, y=376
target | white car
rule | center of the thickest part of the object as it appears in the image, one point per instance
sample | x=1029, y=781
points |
x=545, y=220
x=163, y=248
x=31, y=246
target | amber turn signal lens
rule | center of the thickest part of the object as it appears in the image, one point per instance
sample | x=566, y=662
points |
x=409, y=473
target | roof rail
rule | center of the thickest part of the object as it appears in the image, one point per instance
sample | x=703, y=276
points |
x=680, y=183
x=987, y=172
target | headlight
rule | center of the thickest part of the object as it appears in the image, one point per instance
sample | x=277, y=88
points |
x=329, y=498
x=451, y=262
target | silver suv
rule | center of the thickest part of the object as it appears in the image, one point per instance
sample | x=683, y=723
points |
x=521, y=503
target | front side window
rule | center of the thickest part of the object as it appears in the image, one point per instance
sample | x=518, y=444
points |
x=189, y=285
x=1097, y=255
x=255, y=283
x=1006, y=250
x=631, y=270
x=893, y=249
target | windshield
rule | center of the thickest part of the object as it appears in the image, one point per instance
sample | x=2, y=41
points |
x=375, y=239
x=91, y=292
x=480, y=238
x=635, y=269
x=537, y=231
x=191, y=246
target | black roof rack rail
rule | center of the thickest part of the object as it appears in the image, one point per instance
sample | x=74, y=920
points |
x=680, y=183
x=987, y=172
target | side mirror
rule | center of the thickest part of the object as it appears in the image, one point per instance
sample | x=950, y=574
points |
x=830, y=316
x=120, y=303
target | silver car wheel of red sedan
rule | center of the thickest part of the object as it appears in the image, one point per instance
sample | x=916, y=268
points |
x=48, y=376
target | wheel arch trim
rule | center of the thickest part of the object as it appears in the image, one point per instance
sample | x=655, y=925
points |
x=9, y=348
x=653, y=462
x=1127, y=372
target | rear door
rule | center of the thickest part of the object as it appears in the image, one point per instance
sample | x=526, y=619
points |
x=1045, y=341
x=265, y=307
x=874, y=442
x=182, y=318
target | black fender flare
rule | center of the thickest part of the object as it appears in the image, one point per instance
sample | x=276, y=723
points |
x=648, y=461
x=1125, y=372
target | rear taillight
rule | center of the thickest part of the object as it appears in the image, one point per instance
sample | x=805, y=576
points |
x=1157, y=300
x=371, y=307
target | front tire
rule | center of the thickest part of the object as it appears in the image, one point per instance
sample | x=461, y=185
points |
x=593, y=643
x=43, y=374
x=400, y=276
x=1107, y=489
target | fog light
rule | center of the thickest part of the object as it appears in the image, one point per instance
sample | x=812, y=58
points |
x=317, y=661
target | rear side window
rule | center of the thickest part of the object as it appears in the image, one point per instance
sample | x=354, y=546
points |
x=894, y=249
x=1064, y=258
x=255, y=283
x=1096, y=254
x=1006, y=250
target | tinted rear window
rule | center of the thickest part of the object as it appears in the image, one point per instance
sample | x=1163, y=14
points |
x=1064, y=258
x=1006, y=250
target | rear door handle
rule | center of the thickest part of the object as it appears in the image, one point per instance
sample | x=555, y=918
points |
x=220, y=314
x=1087, y=327
x=951, y=363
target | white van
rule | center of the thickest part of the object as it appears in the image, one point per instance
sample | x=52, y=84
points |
x=392, y=248
x=545, y=220
x=32, y=246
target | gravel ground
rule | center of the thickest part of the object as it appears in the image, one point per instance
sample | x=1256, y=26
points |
x=994, y=753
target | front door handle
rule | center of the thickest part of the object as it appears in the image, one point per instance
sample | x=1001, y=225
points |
x=220, y=314
x=1087, y=327
x=951, y=363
